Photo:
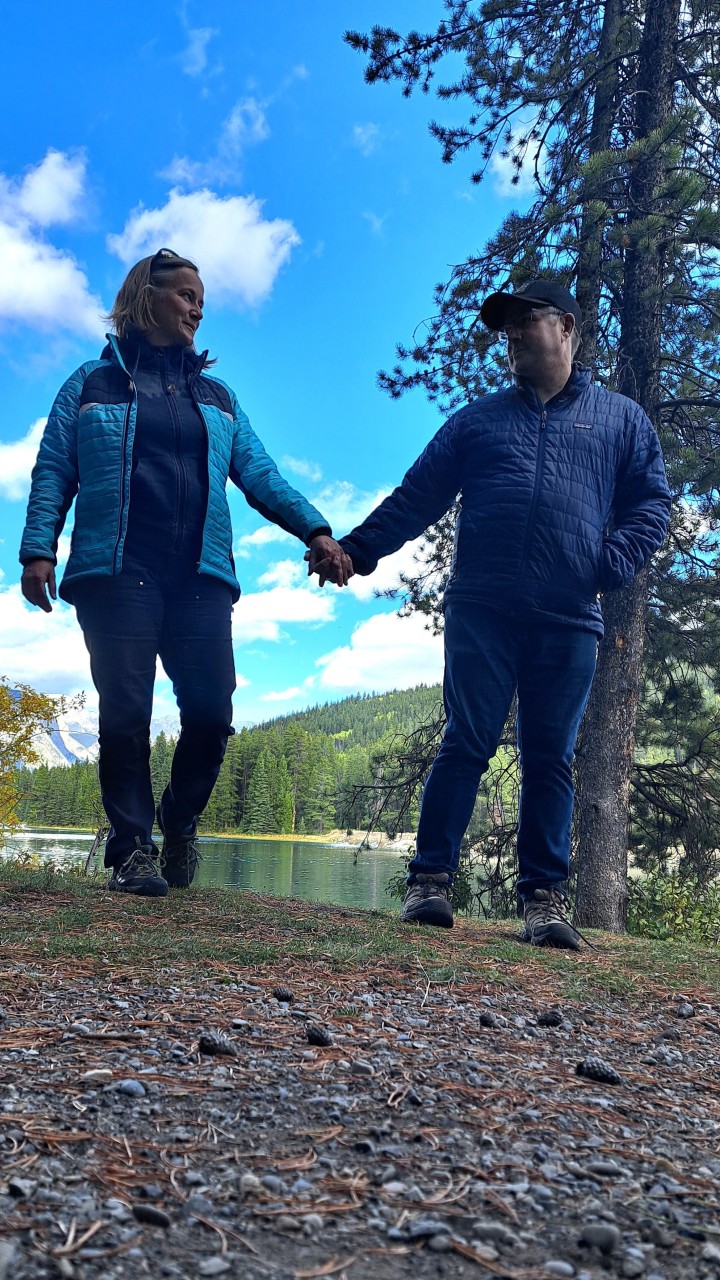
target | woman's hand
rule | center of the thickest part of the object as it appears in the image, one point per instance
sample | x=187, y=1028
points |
x=37, y=580
x=327, y=559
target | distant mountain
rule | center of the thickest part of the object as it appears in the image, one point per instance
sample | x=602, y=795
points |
x=73, y=737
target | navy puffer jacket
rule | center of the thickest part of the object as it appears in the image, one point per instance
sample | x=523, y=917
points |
x=540, y=487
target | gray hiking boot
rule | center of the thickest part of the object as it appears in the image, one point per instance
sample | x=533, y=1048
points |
x=427, y=901
x=546, y=922
x=179, y=855
x=139, y=873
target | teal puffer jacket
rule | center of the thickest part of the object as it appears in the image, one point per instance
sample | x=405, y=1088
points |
x=86, y=454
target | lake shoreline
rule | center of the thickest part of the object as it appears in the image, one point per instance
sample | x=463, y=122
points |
x=338, y=839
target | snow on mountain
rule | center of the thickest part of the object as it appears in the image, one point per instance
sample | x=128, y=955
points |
x=73, y=737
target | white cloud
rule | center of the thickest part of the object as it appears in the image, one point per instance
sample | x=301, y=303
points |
x=259, y=615
x=387, y=574
x=267, y=533
x=40, y=285
x=385, y=652
x=246, y=126
x=375, y=222
x=194, y=58
x=44, y=650
x=366, y=138
x=344, y=506
x=301, y=467
x=284, y=573
x=286, y=695
x=51, y=194
x=239, y=252
x=17, y=460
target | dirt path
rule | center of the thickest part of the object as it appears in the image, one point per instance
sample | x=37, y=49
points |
x=443, y=1132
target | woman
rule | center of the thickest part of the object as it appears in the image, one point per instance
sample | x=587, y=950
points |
x=145, y=438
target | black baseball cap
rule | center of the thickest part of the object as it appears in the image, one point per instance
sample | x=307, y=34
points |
x=496, y=309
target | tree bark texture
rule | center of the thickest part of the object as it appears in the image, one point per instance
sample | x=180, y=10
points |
x=608, y=736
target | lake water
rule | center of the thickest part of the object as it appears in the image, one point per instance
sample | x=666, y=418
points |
x=286, y=868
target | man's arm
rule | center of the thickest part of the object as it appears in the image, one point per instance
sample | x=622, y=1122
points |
x=427, y=490
x=641, y=509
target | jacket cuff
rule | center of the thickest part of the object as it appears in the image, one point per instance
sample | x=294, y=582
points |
x=323, y=531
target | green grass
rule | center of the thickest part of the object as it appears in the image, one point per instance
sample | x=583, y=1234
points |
x=49, y=915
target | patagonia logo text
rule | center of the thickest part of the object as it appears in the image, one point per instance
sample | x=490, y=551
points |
x=582, y=426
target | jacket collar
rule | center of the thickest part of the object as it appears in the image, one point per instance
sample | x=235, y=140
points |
x=127, y=353
x=578, y=381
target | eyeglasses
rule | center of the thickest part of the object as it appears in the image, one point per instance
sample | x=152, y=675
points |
x=524, y=319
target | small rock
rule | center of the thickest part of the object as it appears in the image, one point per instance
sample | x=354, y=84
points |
x=361, y=1068
x=7, y=1259
x=601, y=1235
x=130, y=1088
x=214, y=1267
x=80, y=1029
x=272, y=1183
x=286, y=1222
x=312, y=1222
x=422, y=1228
x=487, y=1252
x=632, y=1266
x=150, y=1214
x=99, y=1074
x=603, y=1169
x=21, y=1188
x=489, y=1019
x=556, y=1267
x=710, y=1253
x=366, y=1146
x=250, y=1185
x=439, y=1244
x=685, y=1009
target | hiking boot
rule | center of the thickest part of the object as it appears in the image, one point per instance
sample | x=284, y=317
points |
x=546, y=922
x=427, y=901
x=179, y=855
x=138, y=873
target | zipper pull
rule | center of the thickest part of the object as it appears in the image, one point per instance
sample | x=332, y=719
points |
x=543, y=419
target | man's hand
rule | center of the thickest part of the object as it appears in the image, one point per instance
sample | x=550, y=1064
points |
x=327, y=559
x=37, y=580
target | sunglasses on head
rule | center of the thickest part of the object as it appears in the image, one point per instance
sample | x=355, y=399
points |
x=164, y=259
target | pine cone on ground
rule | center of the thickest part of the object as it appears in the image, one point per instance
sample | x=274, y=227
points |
x=214, y=1042
x=594, y=1068
x=550, y=1018
x=283, y=995
x=318, y=1035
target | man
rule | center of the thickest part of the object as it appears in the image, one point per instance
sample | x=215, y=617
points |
x=563, y=496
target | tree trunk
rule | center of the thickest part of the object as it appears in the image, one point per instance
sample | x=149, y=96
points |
x=592, y=230
x=608, y=738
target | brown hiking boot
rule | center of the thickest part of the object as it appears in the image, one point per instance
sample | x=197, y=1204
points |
x=546, y=922
x=427, y=901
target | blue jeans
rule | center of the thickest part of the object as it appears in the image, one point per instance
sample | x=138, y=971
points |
x=489, y=657
x=127, y=623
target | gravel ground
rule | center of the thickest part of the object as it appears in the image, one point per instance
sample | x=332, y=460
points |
x=167, y=1125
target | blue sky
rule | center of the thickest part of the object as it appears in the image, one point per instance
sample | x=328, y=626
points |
x=242, y=134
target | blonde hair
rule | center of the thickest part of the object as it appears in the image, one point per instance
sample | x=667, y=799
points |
x=132, y=308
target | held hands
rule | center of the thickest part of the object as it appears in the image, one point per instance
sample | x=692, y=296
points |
x=37, y=580
x=327, y=559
